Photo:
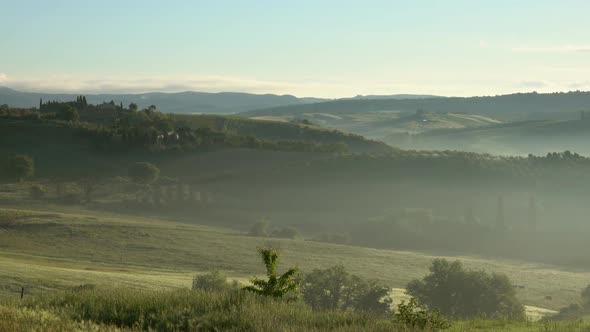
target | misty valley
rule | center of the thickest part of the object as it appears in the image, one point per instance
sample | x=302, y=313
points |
x=286, y=166
x=141, y=199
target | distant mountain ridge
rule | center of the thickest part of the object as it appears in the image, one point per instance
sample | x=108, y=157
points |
x=180, y=102
x=397, y=96
x=184, y=102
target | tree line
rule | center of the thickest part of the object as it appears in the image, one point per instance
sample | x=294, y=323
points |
x=449, y=291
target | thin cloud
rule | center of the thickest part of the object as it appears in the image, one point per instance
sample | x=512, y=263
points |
x=557, y=49
x=580, y=85
x=534, y=84
x=70, y=84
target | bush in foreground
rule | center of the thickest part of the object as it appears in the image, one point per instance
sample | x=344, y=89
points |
x=336, y=289
x=213, y=281
x=461, y=293
x=411, y=315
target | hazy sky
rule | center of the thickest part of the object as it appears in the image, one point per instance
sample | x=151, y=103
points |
x=301, y=47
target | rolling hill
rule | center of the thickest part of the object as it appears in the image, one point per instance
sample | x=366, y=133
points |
x=520, y=138
x=517, y=106
x=380, y=125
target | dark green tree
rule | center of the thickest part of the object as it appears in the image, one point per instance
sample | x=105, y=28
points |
x=461, y=293
x=213, y=281
x=336, y=289
x=20, y=167
x=287, y=232
x=68, y=113
x=143, y=173
x=532, y=214
x=89, y=184
x=38, y=191
x=469, y=216
x=260, y=228
x=133, y=107
x=285, y=286
x=585, y=295
x=500, y=217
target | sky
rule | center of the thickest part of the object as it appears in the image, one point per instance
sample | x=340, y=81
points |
x=319, y=48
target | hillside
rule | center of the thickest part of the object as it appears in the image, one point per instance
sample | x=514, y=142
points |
x=379, y=125
x=181, y=102
x=517, y=138
x=518, y=106
x=281, y=130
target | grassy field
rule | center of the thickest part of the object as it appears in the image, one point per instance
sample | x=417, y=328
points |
x=45, y=250
x=125, y=309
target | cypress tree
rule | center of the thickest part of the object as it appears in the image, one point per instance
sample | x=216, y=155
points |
x=500, y=221
x=532, y=215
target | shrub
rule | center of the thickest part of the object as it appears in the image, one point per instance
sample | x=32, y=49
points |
x=68, y=113
x=334, y=238
x=575, y=310
x=572, y=311
x=143, y=173
x=71, y=198
x=336, y=289
x=260, y=228
x=37, y=191
x=411, y=315
x=212, y=281
x=20, y=167
x=585, y=295
x=287, y=232
x=461, y=293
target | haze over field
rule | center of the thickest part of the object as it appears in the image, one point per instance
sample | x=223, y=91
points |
x=294, y=166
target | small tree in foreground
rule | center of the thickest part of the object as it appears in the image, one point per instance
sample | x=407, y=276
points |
x=285, y=286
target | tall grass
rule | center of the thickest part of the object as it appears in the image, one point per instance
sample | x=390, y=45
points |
x=18, y=319
x=117, y=309
x=196, y=310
